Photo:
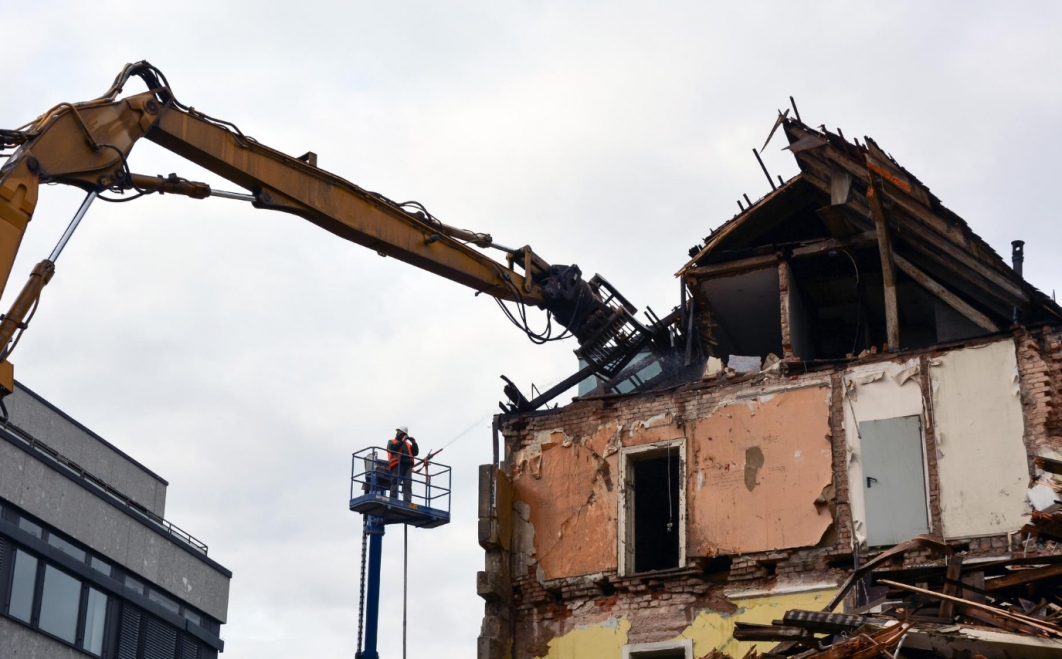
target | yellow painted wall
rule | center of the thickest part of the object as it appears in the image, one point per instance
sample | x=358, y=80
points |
x=604, y=640
x=714, y=631
x=710, y=630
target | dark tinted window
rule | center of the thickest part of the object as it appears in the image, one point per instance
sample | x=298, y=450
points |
x=193, y=616
x=60, y=600
x=27, y=525
x=22, y=585
x=95, y=617
x=166, y=602
x=130, y=582
x=101, y=566
x=66, y=547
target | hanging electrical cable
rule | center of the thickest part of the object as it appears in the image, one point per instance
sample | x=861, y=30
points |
x=670, y=512
x=859, y=305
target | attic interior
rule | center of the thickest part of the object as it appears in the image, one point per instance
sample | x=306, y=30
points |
x=852, y=256
x=809, y=272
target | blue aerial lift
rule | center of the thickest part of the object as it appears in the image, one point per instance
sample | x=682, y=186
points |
x=370, y=485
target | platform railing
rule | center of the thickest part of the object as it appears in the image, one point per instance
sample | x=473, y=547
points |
x=429, y=482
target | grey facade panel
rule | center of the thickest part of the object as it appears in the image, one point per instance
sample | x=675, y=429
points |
x=23, y=643
x=37, y=417
x=65, y=504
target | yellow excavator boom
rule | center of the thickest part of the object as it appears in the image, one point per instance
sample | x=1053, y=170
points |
x=87, y=145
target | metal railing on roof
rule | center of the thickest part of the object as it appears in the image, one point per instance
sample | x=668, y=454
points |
x=69, y=465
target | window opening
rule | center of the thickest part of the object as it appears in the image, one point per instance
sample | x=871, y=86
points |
x=66, y=547
x=746, y=315
x=57, y=603
x=133, y=584
x=166, y=602
x=101, y=566
x=655, y=484
x=663, y=650
x=60, y=599
x=673, y=653
x=193, y=616
x=23, y=583
x=29, y=526
x=95, y=619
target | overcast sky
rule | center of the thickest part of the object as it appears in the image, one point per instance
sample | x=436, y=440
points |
x=244, y=355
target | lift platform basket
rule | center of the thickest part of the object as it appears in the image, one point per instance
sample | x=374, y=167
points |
x=371, y=489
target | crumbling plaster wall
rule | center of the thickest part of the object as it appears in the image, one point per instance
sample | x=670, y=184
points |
x=758, y=463
x=600, y=610
x=982, y=457
x=883, y=390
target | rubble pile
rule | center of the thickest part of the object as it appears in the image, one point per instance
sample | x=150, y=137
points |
x=1002, y=607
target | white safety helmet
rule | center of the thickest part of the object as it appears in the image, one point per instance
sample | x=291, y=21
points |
x=403, y=429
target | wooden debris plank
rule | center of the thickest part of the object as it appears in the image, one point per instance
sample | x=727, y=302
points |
x=947, y=607
x=917, y=542
x=864, y=646
x=996, y=621
x=1050, y=629
x=973, y=586
x=813, y=249
x=1023, y=577
x=732, y=267
x=1048, y=464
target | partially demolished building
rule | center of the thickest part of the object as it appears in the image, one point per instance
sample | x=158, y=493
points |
x=874, y=372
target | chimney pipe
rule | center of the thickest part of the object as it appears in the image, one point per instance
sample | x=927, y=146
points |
x=1017, y=258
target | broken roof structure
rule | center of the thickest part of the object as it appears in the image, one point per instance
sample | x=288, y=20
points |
x=862, y=370
x=876, y=259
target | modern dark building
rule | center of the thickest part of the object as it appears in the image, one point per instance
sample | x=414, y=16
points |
x=88, y=563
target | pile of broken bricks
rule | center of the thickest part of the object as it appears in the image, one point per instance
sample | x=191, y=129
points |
x=1006, y=607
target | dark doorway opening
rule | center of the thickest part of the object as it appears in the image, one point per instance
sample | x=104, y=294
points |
x=673, y=653
x=656, y=512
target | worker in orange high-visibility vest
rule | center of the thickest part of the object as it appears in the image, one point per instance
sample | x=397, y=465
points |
x=400, y=453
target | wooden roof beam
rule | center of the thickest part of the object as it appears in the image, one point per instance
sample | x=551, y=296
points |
x=888, y=273
x=975, y=316
x=928, y=241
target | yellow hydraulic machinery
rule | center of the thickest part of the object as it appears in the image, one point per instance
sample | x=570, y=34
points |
x=87, y=145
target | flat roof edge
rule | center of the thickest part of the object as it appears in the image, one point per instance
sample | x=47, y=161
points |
x=82, y=427
x=114, y=502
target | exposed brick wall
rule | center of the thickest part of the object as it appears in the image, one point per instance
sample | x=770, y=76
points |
x=936, y=518
x=841, y=503
x=1040, y=370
